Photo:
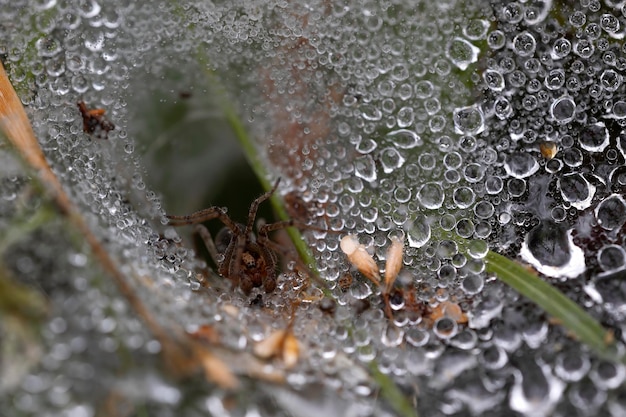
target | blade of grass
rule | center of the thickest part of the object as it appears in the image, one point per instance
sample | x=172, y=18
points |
x=390, y=392
x=586, y=329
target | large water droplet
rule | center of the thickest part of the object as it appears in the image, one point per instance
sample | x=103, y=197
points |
x=418, y=232
x=365, y=168
x=563, y=109
x=535, y=391
x=431, y=195
x=520, y=165
x=576, y=190
x=390, y=159
x=468, y=120
x=524, y=44
x=405, y=139
x=612, y=258
x=611, y=212
x=594, y=138
x=550, y=248
x=462, y=53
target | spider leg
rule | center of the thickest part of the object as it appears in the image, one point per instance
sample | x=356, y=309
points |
x=203, y=216
x=235, y=259
x=283, y=224
x=255, y=206
x=206, y=237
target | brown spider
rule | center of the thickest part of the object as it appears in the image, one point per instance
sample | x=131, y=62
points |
x=247, y=259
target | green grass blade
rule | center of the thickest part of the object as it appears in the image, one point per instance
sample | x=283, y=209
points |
x=392, y=394
x=584, y=327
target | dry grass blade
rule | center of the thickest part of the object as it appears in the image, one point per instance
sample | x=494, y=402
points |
x=182, y=354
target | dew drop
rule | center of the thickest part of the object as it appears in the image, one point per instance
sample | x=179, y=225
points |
x=390, y=159
x=611, y=212
x=462, y=53
x=494, y=80
x=561, y=48
x=418, y=233
x=594, y=138
x=463, y=197
x=365, y=168
x=468, y=120
x=404, y=139
x=445, y=328
x=524, y=44
x=612, y=258
x=576, y=190
x=549, y=247
x=431, y=195
x=520, y=165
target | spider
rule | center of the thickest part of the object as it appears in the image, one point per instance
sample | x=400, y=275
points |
x=248, y=260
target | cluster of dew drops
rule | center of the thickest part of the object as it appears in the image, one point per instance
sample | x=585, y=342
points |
x=504, y=129
x=503, y=125
x=511, y=134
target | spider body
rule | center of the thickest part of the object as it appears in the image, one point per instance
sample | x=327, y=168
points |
x=254, y=267
x=247, y=259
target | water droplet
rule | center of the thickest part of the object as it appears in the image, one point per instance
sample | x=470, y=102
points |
x=404, y=139
x=431, y=195
x=608, y=375
x=524, y=44
x=418, y=233
x=496, y=40
x=619, y=109
x=572, y=366
x=405, y=116
x=586, y=397
x=445, y=328
x=494, y=357
x=520, y=165
x=360, y=290
x=555, y=79
x=463, y=197
x=550, y=248
x=610, y=23
x=468, y=120
x=417, y=337
x=611, y=212
x=494, y=80
x=576, y=190
x=392, y=336
x=390, y=159
x=561, y=48
x=610, y=80
x=365, y=168
x=612, y=258
x=462, y=53
x=535, y=391
x=473, y=284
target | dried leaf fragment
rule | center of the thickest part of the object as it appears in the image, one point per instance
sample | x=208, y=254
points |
x=94, y=121
x=449, y=309
x=358, y=256
x=281, y=344
x=548, y=149
x=393, y=265
x=216, y=370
